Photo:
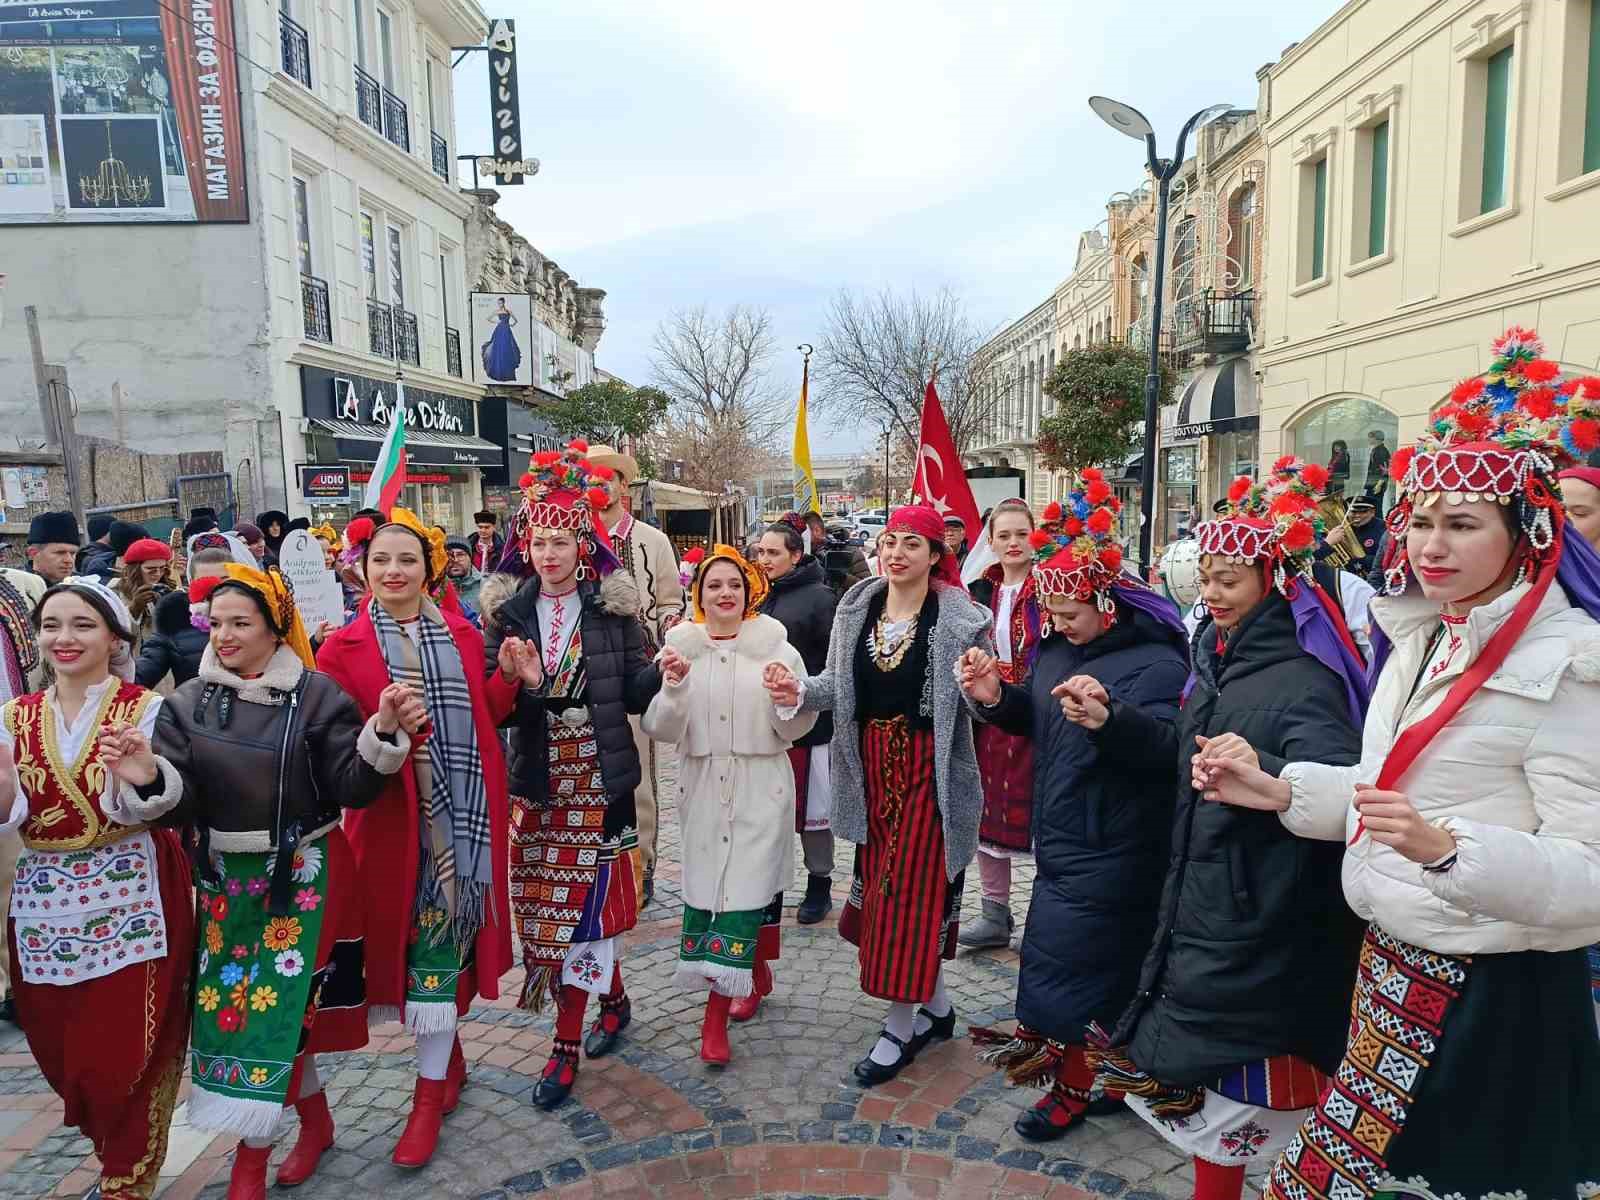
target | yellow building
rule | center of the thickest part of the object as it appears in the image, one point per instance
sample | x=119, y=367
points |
x=1435, y=178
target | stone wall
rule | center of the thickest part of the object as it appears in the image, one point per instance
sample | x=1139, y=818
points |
x=499, y=259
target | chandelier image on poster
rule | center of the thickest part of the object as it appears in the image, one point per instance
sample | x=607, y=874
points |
x=119, y=111
x=503, y=333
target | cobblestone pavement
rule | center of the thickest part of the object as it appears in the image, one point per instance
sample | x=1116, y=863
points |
x=785, y=1119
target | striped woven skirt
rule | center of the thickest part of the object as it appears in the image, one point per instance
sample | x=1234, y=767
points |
x=903, y=914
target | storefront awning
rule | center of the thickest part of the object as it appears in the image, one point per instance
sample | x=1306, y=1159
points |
x=358, y=441
x=1219, y=398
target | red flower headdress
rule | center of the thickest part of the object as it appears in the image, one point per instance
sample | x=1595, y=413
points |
x=1274, y=521
x=1502, y=437
x=1074, y=553
x=564, y=490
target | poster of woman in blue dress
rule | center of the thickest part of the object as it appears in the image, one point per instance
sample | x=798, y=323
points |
x=501, y=354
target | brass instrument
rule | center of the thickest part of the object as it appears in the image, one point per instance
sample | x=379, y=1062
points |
x=1345, y=551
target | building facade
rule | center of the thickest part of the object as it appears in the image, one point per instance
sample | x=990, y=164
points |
x=1009, y=373
x=1437, y=178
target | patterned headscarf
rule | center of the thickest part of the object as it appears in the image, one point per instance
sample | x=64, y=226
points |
x=275, y=590
x=121, y=654
x=924, y=521
x=756, y=584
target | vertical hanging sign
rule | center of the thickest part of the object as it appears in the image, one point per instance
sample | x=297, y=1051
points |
x=505, y=115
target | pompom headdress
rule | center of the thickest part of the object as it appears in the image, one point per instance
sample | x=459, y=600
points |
x=564, y=491
x=1274, y=521
x=1502, y=437
x=1074, y=553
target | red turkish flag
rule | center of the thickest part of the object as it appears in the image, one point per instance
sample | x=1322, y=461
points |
x=940, y=480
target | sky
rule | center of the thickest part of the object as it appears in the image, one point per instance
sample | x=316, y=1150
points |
x=715, y=153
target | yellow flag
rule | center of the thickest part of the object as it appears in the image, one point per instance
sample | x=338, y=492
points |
x=805, y=483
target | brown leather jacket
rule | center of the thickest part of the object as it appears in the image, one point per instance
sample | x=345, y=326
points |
x=269, y=763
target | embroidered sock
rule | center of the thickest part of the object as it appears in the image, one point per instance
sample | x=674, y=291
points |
x=613, y=1003
x=1215, y=1182
x=569, y=1016
x=615, y=992
x=938, y=1004
x=900, y=1022
x=1068, y=1097
x=433, y=1053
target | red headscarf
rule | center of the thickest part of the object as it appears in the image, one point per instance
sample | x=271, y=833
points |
x=1589, y=475
x=924, y=521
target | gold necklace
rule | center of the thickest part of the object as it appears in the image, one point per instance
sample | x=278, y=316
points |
x=883, y=657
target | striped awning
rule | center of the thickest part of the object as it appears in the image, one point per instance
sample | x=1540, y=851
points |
x=1219, y=398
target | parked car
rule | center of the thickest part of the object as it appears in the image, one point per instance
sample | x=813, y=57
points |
x=869, y=524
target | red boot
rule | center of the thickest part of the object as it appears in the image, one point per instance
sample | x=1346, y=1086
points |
x=421, y=1136
x=249, y=1178
x=714, y=1031
x=1212, y=1181
x=316, y=1137
x=744, y=1007
x=455, y=1078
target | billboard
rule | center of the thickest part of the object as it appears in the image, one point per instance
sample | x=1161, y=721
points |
x=505, y=349
x=119, y=111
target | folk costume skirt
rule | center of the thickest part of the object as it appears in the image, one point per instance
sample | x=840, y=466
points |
x=903, y=914
x=269, y=988
x=1005, y=768
x=573, y=889
x=112, y=1047
x=1463, y=1077
x=813, y=787
x=722, y=948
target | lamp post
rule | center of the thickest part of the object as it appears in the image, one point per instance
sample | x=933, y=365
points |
x=886, y=471
x=1126, y=119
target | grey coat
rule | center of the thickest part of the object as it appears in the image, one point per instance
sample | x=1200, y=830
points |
x=961, y=625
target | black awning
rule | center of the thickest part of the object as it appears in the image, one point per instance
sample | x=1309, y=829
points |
x=1219, y=398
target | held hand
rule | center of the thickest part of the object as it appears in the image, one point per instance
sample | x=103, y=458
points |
x=978, y=675
x=674, y=666
x=520, y=662
x=781, y=685
x=389, y=709
x=1336, y=535
x=1227, y=745
x=127, y=755
x=1084, y=701
x=1241, y=784
x=1392, y=819
x=321, y=632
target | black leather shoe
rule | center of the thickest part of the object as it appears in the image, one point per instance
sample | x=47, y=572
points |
x=602, y=1040
x=818, y=901
x=649, y=889
x=1106, y=1106
x=1035, y=1125
x=870, y=1073
x=560, y=1073
x=942, y=1030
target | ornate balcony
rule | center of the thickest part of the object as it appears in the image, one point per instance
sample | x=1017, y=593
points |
x=396, y=121
x=441, y=158
x=380, y=329
x=452, y=351
x=295, y=47
x=406, y=347
x=314, y=307
x=369, y=101
x=1216, y=321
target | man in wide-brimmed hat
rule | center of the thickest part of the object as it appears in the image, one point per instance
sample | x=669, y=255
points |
x=647, y=554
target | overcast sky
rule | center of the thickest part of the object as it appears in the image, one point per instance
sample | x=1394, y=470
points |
x=715, y=153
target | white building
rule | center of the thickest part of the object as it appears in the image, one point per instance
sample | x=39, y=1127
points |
x=1008, y=375
x=276, y=338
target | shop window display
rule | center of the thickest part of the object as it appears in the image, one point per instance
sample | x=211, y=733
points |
x=1353, y=438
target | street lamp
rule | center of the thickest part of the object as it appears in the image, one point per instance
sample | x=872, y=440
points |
x=1124, y=118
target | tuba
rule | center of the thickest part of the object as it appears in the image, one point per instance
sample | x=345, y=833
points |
x=1340, y=554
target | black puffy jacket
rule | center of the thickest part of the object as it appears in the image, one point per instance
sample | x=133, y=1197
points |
x=1255, y=952
x=1102, y=821
x=803, y=602
x=619, y=679
x=175, y=645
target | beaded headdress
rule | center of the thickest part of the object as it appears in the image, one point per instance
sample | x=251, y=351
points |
x=563, y=490
x=1074, y=554
x=1273, y=521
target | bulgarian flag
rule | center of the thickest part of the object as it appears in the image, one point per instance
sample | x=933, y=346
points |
x=389, y=472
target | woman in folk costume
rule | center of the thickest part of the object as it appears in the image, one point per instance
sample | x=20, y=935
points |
x=905, y=777
x=575, y=867
x=1241, y=1006
x=101, y=930
x=804, y=604
x=1101, y=706
x=735, y=787
x=431, y=848
x=1471, y=820
x=269, y=751
x=1009, y=590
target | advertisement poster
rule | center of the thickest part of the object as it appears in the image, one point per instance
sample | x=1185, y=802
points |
x=504, y=345
x=118, y=111
x=316, y=592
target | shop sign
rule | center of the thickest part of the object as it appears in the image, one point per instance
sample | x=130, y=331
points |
x=1200, y=429
x=425, y=410
x=411, y=477
x=505, y=115
x=324, y=482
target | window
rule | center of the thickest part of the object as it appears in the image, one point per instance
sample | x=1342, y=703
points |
x=386, y=57
x=1496, y=111
x=1313, y=170
x=1319, y=219
x=1141, y=287
x=369, y=255
x=1242, y=224
x=1353, y=437
x=1183, y=261
x=397, y=280
x=1591, y=91
x=358, y=33
x=1370, y=204
x=302, y=226
x=1378, y=189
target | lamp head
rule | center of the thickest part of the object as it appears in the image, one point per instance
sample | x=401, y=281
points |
x=1124, y=118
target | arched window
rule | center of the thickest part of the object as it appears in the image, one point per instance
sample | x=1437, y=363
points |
x=1353, y=437
x=1077, y=341
x=1242, y=226
x=1141, y=287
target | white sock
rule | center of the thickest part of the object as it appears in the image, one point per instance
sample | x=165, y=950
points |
x=899, y=1022
x=433, y=1053
x=310, y=1081
x=257, y=1143
x=939, y=1005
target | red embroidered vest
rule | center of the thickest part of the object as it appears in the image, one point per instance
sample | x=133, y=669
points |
x=64, y=798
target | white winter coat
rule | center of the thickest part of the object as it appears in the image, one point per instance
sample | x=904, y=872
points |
x=1514, y=777
x=735, y=785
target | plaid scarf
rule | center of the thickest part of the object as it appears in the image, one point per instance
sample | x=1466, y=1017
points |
x=16, y=623
x=454, y=842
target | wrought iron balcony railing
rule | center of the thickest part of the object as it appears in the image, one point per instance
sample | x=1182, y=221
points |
x=452, y=351
x=380, y=329
x=441, y=158
x=314, y=307
x=295, y=47
x=396, y=121
x=406, y=347
x=369, y=101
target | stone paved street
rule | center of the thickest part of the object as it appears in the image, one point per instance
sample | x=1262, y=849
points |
x=784, y=1120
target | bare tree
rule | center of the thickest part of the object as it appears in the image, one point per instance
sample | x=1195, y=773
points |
x=877, y=352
